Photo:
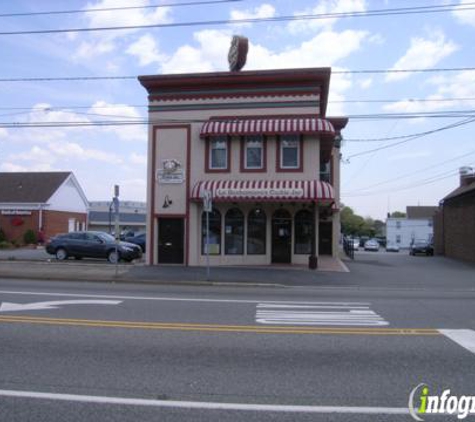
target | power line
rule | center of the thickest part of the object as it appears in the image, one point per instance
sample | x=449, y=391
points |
x=370, y=13
x=451, y=126
x=403, y=176
x=112, y=9
x=410, y=100
x=134, y=77
x=140, y=121
x=413, y=185
x=393, y=138
x=108, y=106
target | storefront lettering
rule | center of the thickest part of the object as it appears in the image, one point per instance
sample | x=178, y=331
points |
x=15, y=212
x=260, y=193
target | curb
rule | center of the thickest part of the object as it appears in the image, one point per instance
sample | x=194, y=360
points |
x=144, y=281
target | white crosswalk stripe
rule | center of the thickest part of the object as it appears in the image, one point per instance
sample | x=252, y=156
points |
x=306, y=313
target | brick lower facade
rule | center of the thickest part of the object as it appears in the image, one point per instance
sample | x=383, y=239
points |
x=54, y=222
x=454, y=228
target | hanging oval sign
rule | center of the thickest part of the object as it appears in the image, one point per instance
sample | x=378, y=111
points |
x=238, y=53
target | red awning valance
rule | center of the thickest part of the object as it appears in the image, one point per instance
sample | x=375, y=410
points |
x=265, y=190
x=268, y=126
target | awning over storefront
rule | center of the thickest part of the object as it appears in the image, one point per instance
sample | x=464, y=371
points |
x=265, y=190
x=268, y=126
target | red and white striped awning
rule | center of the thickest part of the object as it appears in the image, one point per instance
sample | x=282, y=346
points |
x=265, y=190
x=268, y=126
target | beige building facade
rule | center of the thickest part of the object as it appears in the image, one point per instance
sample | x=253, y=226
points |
x=260, y=144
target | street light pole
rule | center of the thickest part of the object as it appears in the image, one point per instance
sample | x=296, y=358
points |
x=117, y=229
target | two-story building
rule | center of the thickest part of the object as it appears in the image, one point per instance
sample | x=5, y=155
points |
x=417, y=225
x=260, y=144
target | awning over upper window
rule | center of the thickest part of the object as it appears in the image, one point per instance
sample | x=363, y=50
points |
x=268, y=126
x=265, y=190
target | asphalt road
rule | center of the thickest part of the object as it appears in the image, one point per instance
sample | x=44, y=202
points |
x=180, y=352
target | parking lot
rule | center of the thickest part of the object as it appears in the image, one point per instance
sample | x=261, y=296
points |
x=368, y=270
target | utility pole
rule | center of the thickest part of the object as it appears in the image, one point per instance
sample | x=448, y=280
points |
x=207, y=208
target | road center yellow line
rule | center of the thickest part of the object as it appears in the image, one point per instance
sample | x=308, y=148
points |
x=180, y=326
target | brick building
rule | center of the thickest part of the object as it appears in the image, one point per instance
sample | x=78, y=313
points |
x=454, y=223
x=51, y=201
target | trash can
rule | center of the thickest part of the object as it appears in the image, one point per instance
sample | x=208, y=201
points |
x=312, y=262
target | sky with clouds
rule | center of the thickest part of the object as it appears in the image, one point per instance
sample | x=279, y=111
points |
x=383, y=168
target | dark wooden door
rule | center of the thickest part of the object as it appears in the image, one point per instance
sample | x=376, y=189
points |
x=281, y=237
x=325, y=243
x=170, y=240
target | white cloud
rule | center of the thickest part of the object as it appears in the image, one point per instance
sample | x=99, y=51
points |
x=465, y=16
x=138, y=159
x=121, y=112
x=99, y=43
x=36, y=154
x=211, y=54
x=325, y=49
x=365, y=83
x=423, y=53
x=77, y=152
x=13, y=167
x=69, y=151
x=133, y=189
x=92, y=49
x=146, y=50
x=259, y=12
x=458, y=86
x=325, y=7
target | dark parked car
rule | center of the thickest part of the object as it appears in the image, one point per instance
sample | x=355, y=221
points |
x=422, y=247
x=91, y=245
x=138, y=239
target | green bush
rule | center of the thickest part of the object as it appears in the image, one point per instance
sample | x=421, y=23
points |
x=30, y=237
x=5, y=245
x=3, y=237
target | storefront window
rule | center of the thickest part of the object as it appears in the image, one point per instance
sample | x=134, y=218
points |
x=234, y=232
x=218, y=153
x=289, y=151
x=304, y=225
x=254, y=152
x=214, y=233
x=256, y=232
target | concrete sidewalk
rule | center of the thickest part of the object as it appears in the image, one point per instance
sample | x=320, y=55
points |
x=139, y=273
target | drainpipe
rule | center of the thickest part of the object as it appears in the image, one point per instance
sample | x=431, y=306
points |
x=40, y=218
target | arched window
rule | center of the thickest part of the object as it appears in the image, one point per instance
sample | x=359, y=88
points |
x=214, y=233
x=304, y=232
x=234, y=232
x=256, y=232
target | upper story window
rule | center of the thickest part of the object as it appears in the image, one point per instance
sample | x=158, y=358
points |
x=254, y=152
x=325, y=171
x=290, y=154
x=218, y=153
x=398, y=224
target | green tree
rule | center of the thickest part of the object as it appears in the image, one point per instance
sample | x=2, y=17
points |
x=398, y=214
x=30, y=237
x=351, y=224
